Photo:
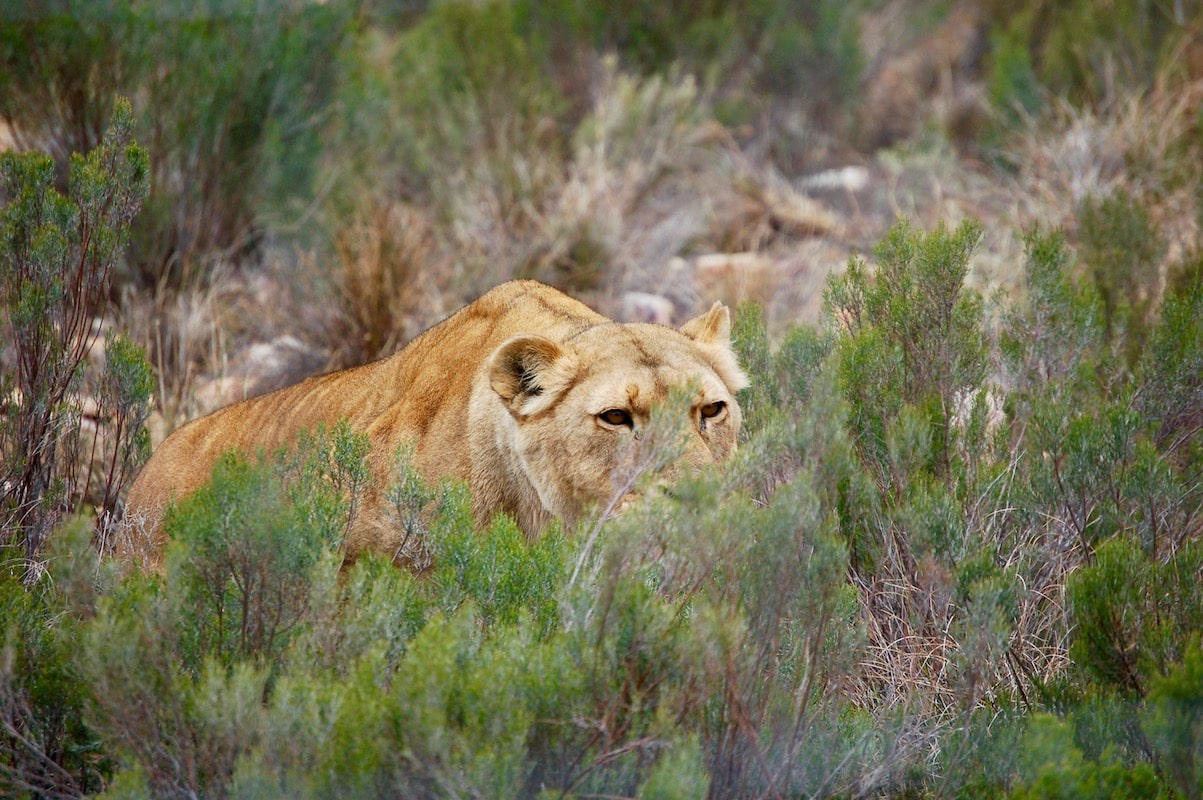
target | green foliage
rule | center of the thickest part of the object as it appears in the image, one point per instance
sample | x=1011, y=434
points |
x=1173, y=722
x=475, y=135
x=526, y=134
x=916, y=337
x=764, y=45
x=1132, y=615
x=1122, y=249
x=57, y=256
x=1087, y=56
x=1055, y=768
x=680, y=775
x=1012, y=84
x=229, y=97
x=787, y=377
x=955, y=555
x=917, y=300
x=1171, y=370
x=472, y=89
x=248, y=542
x=47, y=747
x=497, y=570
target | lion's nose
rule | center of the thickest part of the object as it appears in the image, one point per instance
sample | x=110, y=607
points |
x=697, y=452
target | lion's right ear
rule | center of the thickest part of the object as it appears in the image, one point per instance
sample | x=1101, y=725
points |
x=530, y=373
x=712, y=333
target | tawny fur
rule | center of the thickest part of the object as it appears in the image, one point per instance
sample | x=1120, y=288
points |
x=505, y=394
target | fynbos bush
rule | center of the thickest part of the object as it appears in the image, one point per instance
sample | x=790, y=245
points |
x=229, y=96
x=978, y=578
x=57, y=257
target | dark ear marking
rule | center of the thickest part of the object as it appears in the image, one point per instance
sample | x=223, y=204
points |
x=529, y=373
x=528, y=380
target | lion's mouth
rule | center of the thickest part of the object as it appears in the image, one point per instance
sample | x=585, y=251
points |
x=659, y=489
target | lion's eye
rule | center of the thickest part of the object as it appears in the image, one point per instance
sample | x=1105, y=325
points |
x=712, y=410
x=616, y=416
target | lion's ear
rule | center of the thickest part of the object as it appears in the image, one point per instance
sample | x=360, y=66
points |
x=713, y=327
x=530, y=373
x=712, y=333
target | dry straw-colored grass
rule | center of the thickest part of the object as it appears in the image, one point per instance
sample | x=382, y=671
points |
x=187, y=338
x=1146, y=144
x=387, y=267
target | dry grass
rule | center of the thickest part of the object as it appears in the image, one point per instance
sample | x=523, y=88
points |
x=387, y=271
x=1146, y=144
x=622, y=203
x=205, y=341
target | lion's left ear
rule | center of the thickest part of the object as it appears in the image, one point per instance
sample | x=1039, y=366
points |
x=712, y=332
x=529, y=373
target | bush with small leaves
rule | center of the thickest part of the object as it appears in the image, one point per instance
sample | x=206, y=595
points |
x=57, y=257
x=1053, y=767
x=1121, y=248
x=229, y=96
x=955, y=555
x=1172, y=721
x=247, y=543
x=48, y=748
x=1089, y=57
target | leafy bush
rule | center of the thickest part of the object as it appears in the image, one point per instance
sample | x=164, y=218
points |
x=1121, y=247
x=230, y=99
x=956, y=554
x=754, y=45
x=187, y=662
x=1087, y=56
x=57, y=256
x=47, y=746
x=915, y=337
x=1014, y=89
x=1133, y=616
x=1173, y=721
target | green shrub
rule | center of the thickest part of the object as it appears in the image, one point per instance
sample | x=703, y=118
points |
x=498, y=571
x=476, y=105
x=230, y=98
x=1088, y=56
x=1122, y=249
x=57, y=257
x=1012, y=84
x=787, y=377
x=1133, y=614
x=955, y=554
x=47, y=746
x=1054, y=768
x=180, y=667
x=1173, y=722
x=246, y=545
x=1171, y=372
x=766, y=46
x=915, y=336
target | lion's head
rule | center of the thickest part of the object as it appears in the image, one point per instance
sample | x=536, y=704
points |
x=570, y=408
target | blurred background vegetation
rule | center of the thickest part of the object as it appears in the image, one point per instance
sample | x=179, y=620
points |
x=959, y=551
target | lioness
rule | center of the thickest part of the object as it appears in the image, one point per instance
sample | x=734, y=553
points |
x=526, y=393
